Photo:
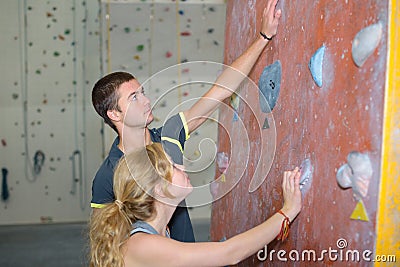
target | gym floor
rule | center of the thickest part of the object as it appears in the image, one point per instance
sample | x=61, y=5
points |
x=61, y=245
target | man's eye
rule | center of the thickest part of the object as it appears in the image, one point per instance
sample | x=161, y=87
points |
x=133, y=97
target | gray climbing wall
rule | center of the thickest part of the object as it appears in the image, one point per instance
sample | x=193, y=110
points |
x=53, y=52
x=50, y=59
x=330, y=104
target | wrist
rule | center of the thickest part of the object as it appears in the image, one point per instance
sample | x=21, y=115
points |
x=289, y=213
x=265, y=36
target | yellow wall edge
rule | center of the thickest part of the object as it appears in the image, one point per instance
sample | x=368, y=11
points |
x=388, y=215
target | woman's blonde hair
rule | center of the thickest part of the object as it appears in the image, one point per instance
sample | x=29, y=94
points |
x=135, y=178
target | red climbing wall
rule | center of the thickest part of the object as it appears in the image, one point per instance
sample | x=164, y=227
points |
x=323, y=124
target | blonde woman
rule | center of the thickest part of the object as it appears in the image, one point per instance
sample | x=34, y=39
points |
x=132, y=230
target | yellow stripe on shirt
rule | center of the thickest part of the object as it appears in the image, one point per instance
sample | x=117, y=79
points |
x=174, y=141
x=97, y=206
x=185, y=125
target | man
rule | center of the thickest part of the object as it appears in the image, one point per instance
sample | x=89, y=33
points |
x=120, y=100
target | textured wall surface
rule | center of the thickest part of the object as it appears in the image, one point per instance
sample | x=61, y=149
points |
x=50, y=59
x=320, y=123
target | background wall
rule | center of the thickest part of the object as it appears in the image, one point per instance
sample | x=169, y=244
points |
x=50, y=58
x=52, y=54
x=321, y=125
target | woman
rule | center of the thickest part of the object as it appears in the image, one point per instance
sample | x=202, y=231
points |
x=132, y=231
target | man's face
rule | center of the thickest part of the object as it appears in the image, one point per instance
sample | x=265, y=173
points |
x=135, y=106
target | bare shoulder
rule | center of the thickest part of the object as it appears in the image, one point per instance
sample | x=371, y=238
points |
x=149, y=250
x=155, y=250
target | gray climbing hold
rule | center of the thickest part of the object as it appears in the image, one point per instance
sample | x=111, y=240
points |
x=315, y=65
x=356, y=173
x=306, y=175
x=270, y=84
x=365, y=42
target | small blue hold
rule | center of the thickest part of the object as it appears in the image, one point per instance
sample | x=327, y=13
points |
x=315, y=65
x=269, y=85
x=235, y=116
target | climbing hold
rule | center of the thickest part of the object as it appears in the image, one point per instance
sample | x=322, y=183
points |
x=315, y=65
x=168, y=54
x=266, y=124
x=139, y=48
x=306, y=174
x=223, y=178
x=359, y=212
x=234, y=101
x=235, y=105
x=235, y=116
x=269, y=85
x=196, y=153
x=56, y=54
x=67, y=31
x=136, y=57
x=211, y=30
x=222, y=161
x=3, y=142
x=356, y=173
x=365, y=42
x=4, y=187
x=185, y=33
x=343, y=176
x=38, y=161
x=181, y=12
x=127, y=30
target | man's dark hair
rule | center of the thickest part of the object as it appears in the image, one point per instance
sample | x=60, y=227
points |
x=105, y=94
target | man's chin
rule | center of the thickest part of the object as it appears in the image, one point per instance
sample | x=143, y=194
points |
x=150, y=118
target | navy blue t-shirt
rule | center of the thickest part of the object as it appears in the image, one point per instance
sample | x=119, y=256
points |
x=172, y=135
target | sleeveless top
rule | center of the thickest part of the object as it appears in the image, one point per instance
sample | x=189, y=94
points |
x=144, y=227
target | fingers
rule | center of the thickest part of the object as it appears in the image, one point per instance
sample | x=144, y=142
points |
x=297, y=179
x=278, y=14
x=291, y=179
x=271, y=4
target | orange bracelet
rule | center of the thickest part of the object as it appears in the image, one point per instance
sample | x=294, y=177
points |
x=283, y=234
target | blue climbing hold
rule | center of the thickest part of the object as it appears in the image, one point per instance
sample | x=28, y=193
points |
x=315, y=65
x=269, y=85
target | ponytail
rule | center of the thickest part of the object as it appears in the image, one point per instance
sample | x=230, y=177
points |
x=109, y=230
x=134, y=183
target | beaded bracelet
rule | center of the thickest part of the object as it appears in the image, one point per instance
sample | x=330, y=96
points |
x=265, y=36
x=283, y=234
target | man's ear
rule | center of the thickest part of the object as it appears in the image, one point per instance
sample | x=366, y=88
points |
x=114, y=115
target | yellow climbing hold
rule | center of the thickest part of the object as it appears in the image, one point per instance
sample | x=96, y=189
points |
x=359, y=212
